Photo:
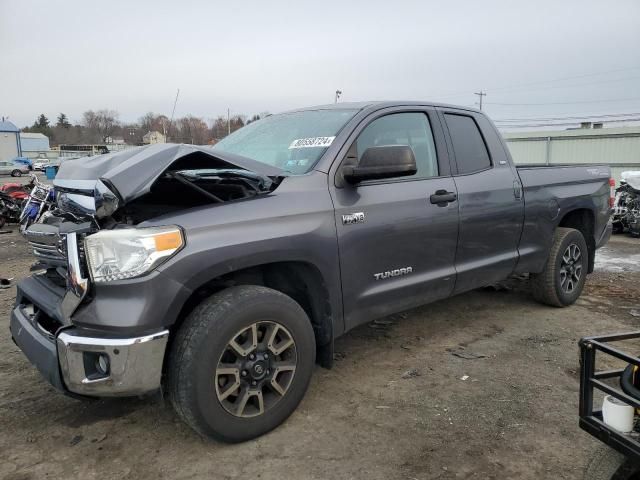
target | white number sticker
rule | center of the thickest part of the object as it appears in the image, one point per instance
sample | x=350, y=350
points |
x=311, y=142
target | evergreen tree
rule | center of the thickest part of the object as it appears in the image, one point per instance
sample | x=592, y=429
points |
x=42, y=122
x=63, y=121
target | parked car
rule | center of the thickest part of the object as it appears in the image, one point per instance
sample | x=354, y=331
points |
x=24, y=161
x=41, y=164
x=13, y=169
x=223, y=273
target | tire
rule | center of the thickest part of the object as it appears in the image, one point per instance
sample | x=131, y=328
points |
x=551, y=286
x=16, y=173
x=607, y=464
x=203, y=343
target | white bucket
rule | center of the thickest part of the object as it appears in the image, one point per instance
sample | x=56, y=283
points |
x=617, y=414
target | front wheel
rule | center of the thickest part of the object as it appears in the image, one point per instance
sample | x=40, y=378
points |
x=562, y=280
x=16, y=173
x=241, y=363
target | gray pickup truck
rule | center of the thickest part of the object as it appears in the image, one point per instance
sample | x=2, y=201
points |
x=222, y=274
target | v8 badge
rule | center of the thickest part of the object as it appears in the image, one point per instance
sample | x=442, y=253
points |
x=351, y=218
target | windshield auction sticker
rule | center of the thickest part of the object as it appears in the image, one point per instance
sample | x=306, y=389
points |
x=312, y=142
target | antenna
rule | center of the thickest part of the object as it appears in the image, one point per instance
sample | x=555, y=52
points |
x=173, y=111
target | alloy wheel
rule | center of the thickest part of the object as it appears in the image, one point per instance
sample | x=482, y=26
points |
x=570, y=268
x=256, y=369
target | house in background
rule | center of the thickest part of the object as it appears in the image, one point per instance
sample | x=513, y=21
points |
x=9, y=141
x=35, y=145
x=153, y=137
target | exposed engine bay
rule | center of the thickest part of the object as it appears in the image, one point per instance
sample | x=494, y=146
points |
x=182, y=189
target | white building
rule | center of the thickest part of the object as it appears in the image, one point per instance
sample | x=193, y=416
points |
x=34, y=145
x=9, y=141
x=617, y=147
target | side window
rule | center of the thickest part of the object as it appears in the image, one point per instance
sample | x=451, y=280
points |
x=412, y=129
x=468, y=145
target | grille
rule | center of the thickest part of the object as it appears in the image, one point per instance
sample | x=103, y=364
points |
x=47, y=244
x=49, y=254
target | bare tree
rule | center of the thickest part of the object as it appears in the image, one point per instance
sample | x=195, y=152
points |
x=219, y=127
x=107, y=121
x=191, y=129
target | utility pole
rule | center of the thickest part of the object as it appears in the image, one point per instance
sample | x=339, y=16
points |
x=338, y=93
x=480, y=95
x=228, y=123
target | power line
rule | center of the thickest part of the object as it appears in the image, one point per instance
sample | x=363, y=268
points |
x=537, y=125
x=574, y=85
x=576, y=117
x=561, y=79
x=573, y=77
x=568, y=103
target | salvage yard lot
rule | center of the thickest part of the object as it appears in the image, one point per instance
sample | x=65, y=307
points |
x=483, y=385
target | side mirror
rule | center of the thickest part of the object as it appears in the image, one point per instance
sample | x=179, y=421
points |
x=386, y=161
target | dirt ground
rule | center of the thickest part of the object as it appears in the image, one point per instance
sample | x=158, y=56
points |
x=397, y=405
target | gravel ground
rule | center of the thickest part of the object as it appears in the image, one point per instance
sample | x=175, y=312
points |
x=399, y=403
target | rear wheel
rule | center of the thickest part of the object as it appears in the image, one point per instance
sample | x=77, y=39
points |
x=562, y=280
x=16, y=173
x=241, y=363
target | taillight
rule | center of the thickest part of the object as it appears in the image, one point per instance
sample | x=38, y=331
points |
x=612, y=192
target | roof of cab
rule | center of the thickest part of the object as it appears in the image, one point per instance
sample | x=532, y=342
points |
x=376, y=105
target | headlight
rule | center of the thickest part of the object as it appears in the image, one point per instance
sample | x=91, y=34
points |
x=130, y=252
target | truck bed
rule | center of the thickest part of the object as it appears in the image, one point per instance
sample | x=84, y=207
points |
x=550, y=191
x=535, y=175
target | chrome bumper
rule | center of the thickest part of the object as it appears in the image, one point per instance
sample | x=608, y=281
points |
x=77, y=285
x=134, y=364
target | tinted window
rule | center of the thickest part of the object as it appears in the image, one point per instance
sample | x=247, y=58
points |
x=412, y=129
x=468, y=144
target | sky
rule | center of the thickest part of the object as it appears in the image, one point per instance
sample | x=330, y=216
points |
x=536, y=59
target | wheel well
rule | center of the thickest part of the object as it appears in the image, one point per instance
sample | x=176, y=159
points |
x=301, y=281
x=582, y=220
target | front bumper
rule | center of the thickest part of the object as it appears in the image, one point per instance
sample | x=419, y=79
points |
x=134, y=364
x=69, y=358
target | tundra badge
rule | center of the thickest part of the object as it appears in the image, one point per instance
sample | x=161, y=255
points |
x=393, y=273
x=351, y=218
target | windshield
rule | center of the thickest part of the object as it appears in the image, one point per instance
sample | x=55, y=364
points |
x=293, y=142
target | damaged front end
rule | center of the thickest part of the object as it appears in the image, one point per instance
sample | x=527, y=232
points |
x=94, y=238
x=85, y=237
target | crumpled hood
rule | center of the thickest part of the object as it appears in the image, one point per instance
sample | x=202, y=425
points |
x=132, y=172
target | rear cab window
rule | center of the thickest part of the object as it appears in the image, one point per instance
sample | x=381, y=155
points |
x=469, y=147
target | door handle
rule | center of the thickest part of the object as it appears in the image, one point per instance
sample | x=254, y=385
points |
x=442, y=197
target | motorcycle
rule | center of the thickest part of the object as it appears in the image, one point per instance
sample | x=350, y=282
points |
x=10, y=209
x=40, y=200
x=17, y=191
x=626, y=208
